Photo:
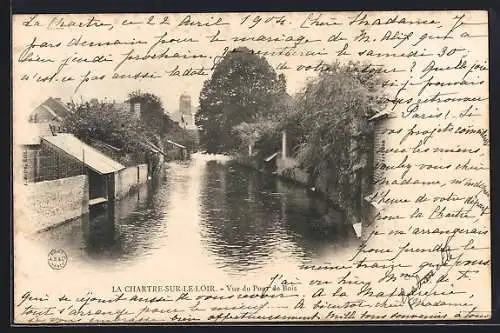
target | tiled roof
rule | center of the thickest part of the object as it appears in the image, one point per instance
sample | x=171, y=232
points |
x=57, y=107
x=49, y=110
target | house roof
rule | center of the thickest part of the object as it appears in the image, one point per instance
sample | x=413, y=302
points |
x=57, y=107
x=54, y=107
x=49, y=110
x=379, y=116
x=176, y=144
x=270, y=158
x=32, y=133
x=86, y=154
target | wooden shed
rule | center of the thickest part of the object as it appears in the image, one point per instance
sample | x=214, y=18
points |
x=99, y=168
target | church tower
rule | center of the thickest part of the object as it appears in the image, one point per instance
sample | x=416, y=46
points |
x=185, y=111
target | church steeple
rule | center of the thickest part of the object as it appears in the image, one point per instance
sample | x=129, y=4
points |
x=185, y=111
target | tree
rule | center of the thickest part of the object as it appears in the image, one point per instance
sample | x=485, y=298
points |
x=243, y=86
x=102, y=121
x=333, y=131
x=264, y=133
x=152, y=112
x=103, y=124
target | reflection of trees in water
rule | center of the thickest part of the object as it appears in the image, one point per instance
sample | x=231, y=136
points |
x=249, y=215
x=312, y=223
x=123, y=230
x=239, y=222
x=246, y=218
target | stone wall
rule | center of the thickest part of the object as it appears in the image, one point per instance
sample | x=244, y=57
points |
x=30, y=156
x=379, y=147
x=128, y=179
x=143, y=173
x=45, y=204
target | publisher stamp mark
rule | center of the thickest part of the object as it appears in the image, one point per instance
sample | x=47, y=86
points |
x=57, y=259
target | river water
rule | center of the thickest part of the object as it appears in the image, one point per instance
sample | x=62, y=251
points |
x=213, y=214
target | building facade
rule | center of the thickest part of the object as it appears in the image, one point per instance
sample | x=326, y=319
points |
x=379, y=147
x=184, y=116
x=185, y=111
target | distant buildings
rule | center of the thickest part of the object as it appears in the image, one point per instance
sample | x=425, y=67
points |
x=187, y=119
x=184, y=115
x=44, y=160
x=52, y=111
x=127, y=107
x=48, y=154
x=62, y=176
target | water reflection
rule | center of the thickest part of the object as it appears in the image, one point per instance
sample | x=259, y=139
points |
x=236, y=223
x=249, y=216
x=124, y=229
x=220, y=215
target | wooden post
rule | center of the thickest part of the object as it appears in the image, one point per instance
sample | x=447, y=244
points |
x=250, y=150
x=283, y=144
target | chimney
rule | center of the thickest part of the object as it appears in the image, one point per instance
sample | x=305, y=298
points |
x=137, y=110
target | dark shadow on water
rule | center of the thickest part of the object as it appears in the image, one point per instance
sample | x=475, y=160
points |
x=121, y=231
x=126, y=229
x=250, y=216
x=99, y=229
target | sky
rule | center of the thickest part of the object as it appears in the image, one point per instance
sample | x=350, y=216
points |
x=304, y=40
x=172, y=38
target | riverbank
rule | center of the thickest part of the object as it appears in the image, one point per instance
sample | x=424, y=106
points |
x=49, y=204
x=232, y=219
x=287, y=169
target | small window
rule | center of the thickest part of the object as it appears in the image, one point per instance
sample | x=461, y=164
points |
x=137, y=107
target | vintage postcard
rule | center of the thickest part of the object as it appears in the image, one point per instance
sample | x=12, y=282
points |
x=251, y=167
